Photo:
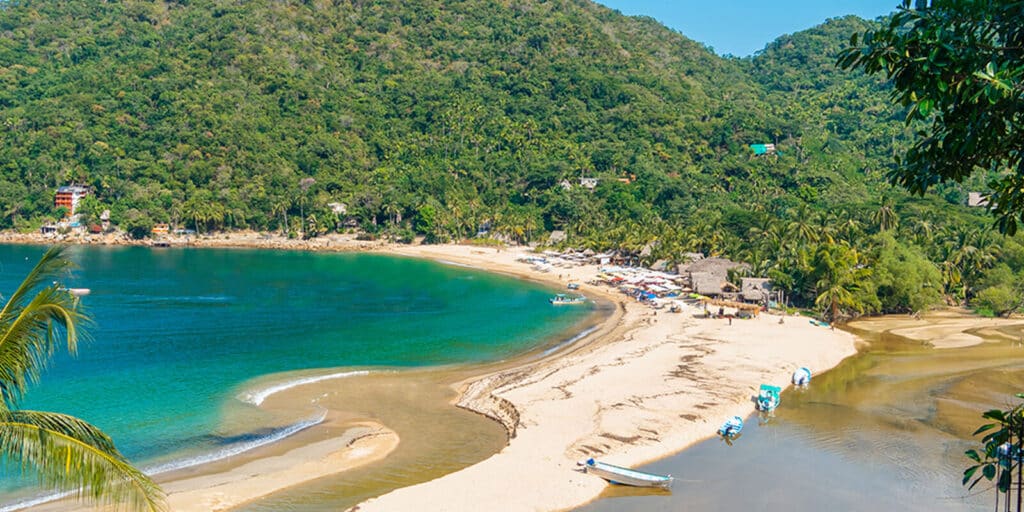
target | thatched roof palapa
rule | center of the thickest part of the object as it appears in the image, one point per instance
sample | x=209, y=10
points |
x=715, y=265
x=755, y=289
x=710, y=276
x=706, y=283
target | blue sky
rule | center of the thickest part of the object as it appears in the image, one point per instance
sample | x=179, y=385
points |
x=742, y=27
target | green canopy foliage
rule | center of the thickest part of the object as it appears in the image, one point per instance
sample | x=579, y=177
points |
x=445, y=119
x=959, y=68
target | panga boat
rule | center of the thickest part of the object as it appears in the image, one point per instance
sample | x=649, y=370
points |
x=802, y=376
x=731, y=428
x=626, y=476
x=768, y=398
x=562, y=298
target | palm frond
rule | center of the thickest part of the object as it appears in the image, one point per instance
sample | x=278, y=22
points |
x=51, y=266
x=29, y=334
x=69, y=454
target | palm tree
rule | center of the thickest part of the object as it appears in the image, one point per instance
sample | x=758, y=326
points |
x=66, y=453
x=886, y=217
x=839, y=272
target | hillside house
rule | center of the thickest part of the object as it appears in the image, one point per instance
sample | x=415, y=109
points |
x=976, y=200
x=68, y=197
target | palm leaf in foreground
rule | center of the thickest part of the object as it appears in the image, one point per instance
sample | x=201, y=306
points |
x=65, y=452
x=69, y=454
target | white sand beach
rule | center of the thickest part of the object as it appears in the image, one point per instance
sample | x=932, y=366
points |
x=647, y=386
x=644, y=385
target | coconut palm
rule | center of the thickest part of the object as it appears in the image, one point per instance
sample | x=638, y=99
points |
x=839, y=272
x=65, y=452
x=886, y=217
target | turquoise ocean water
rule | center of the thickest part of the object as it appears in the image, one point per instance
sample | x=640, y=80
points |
x=179, y=332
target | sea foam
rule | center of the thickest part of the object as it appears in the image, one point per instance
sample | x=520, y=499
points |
x=236, y=449
x=258, y=396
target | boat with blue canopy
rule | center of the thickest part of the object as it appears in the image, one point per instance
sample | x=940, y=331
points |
x=768, y=398
x=802, y=376
x=731, y=428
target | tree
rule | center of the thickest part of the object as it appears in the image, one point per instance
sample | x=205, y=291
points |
x=840, y=275
x=904, y=279
x=959, y=67
x=1003, y=445
x=66, y=452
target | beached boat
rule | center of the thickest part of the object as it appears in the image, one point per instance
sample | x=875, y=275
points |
x=562, y=298
x=573, y=286
x=626, y=476
x=768, y=398
x=802, y=376
x=731, y=428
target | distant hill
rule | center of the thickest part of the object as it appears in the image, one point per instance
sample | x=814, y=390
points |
x=421, y=116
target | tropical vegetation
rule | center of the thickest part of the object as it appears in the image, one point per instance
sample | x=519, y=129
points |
x=959, y=68
x=63, y=452
x=446, y=120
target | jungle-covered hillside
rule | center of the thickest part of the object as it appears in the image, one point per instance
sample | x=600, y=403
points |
x=443, y=118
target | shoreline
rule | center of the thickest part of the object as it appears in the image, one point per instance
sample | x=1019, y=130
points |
x=641, y=387
x=647, y=386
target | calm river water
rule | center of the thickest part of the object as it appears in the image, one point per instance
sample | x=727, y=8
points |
x=886, y=430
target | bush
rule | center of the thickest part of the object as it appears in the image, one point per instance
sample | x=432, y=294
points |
x=1000, y=300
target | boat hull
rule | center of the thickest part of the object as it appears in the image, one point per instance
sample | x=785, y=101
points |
x=626, y=476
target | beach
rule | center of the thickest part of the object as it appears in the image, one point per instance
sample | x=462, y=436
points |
x=642, y=385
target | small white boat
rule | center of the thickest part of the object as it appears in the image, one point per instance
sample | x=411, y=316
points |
x=77, y=292
x=562, y=298
x=626, y=476
x=802, y=376
x=731, y=428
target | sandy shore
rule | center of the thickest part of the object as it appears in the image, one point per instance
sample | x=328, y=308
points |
x=943, y=329
x=644, y=385
x=264, y=476
x=648, y=385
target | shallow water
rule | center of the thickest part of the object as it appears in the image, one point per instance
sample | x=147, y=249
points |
x=885, y=430
x=180, y=333
x=436, y=439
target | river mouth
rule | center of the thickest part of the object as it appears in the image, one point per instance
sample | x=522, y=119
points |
x=884, y=430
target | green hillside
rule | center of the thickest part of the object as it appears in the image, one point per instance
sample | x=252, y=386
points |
x=435, y=118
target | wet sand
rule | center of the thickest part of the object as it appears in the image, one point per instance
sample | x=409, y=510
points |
x=949, y=328
x=642, y=386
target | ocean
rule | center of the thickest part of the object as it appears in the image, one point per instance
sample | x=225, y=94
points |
x=183, y=339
